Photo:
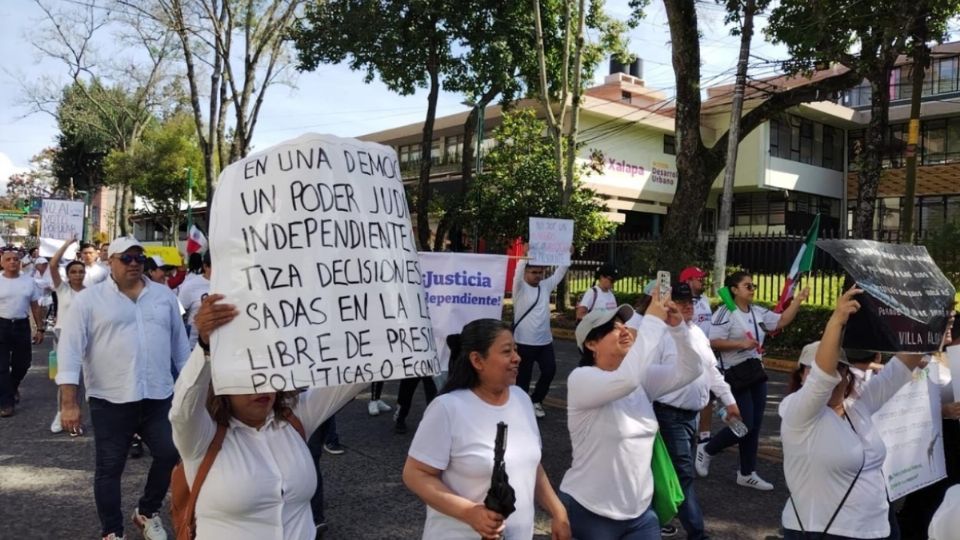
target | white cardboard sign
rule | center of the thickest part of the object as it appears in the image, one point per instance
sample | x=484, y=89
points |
x=60, y=220
x=311, y=240
x=550, y=241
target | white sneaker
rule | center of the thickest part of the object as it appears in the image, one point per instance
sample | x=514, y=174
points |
x=382, y=405
x=538, y=410
x=55, y=426
x=753, y=481
x=372, y=409
x=112, y=536
x=702, y=464
x=151, y=527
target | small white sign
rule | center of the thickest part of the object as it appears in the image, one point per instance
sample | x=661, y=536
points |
x=550, y=241
x=60, y=221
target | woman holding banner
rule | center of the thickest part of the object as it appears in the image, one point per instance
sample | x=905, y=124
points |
x=262, y=478
x=737, y=331
x=450, y=462
x=832, y=453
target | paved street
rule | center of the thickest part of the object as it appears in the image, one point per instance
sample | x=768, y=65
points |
x=46, y=480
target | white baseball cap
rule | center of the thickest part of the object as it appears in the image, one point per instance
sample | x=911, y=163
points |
x=40, y=260
x=809, y=353
x=122, y=244
x=595, y=319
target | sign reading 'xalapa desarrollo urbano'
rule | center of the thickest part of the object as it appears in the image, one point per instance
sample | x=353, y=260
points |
x=906, y=300
x=311, y=240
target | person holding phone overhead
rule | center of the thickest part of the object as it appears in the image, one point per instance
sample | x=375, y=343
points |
x=738, y=332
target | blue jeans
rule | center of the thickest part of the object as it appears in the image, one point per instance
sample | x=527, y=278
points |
x=679, y=430
x=585, y=525
x=752, y=402
x=113, y=427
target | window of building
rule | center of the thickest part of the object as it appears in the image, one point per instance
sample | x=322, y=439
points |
x=806, y=141
x=934, y=142
x=889, y=214
x=895, y=154
x=453, y=149
x=435, y=156
x=670, y=145
x=946, y=75
x=625, y=97
x=409, y=154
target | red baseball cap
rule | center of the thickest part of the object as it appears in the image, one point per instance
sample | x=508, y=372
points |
x=692, y=272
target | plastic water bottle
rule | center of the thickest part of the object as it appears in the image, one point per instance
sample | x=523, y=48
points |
x=735, y=424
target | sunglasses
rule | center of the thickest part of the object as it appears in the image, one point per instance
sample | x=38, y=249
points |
x=130, y=259
x=749, y=286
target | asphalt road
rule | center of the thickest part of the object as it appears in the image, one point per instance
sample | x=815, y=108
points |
x=46, y=480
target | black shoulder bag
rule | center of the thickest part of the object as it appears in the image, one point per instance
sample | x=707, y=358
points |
x=524, y=316
x=845, y=495
x=748, y=372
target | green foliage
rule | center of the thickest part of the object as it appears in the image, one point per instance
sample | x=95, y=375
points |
x=519, y=181
x=155, y=167
x=942, y=245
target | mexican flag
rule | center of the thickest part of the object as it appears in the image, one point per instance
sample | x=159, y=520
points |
x=736, y=316
x=196, y=241
x=801, y=264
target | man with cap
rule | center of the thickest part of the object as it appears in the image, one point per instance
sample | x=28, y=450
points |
x=600, y=296
x=531, y=327
x=695, y=278
x=153, y=269
x=19, y=299
x=677, y=411
x=127, y=335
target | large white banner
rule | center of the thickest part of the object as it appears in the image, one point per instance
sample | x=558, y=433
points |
x=550, y=241
x=60, y=221
x=461, y=287
x=311, y=240
x=909, y=424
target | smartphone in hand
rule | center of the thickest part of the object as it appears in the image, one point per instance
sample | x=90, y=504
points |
x=663, y=284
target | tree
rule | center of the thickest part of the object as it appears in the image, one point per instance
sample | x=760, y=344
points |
x=406, y=43
x=565, y=60
x=35, y=183
x=823, y=32
x=232, y=53
x=697, y=164
x=743, y=13
x=519, y=181
x=156, y=169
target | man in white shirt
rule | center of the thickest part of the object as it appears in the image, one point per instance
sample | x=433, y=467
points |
x=191, y=294
x=531, y=328
x=696, y=279
x=19, y=298
x=127, y=334
x=677, y=411
x=95, y=271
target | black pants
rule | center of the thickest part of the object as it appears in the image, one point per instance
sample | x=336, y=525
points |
x=327, y=432
x=376, y=390
x=543, y=356
x=113, y=427
x=15, y=352
x=407, y=389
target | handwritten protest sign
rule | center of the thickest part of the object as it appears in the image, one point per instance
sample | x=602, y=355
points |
x=311, y=240
x=906, y=300
x=60, y=221
x=461, y=287
x=909, y=424
x=550, y=241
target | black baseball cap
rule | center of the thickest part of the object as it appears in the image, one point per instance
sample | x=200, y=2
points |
x=681, y=292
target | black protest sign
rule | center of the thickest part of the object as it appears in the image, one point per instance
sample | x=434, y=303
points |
x=311, y=240
x=906, y=300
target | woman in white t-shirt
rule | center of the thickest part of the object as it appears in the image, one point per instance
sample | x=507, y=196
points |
x=600, y=296
x=832, y=453
x=450, y=461
x=66, y=291
x=609, y=487
x=739, y=338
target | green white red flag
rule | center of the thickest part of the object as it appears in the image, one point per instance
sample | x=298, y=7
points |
x=801, y=265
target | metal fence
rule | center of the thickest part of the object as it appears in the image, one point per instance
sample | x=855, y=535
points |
x=767, y=257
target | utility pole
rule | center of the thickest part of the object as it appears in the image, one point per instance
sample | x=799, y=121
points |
x=733, y=144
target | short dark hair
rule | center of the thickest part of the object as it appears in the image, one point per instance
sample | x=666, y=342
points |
x=206, y=258
x=74, y=263
x=476, y=336
x=735, y=278
x=86, y=245
x=195, y=263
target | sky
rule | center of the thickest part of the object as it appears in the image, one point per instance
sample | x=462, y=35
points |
x=333, y=99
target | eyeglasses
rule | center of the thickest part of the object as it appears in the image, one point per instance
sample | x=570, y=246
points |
x=748, y=286
x=130, y=259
